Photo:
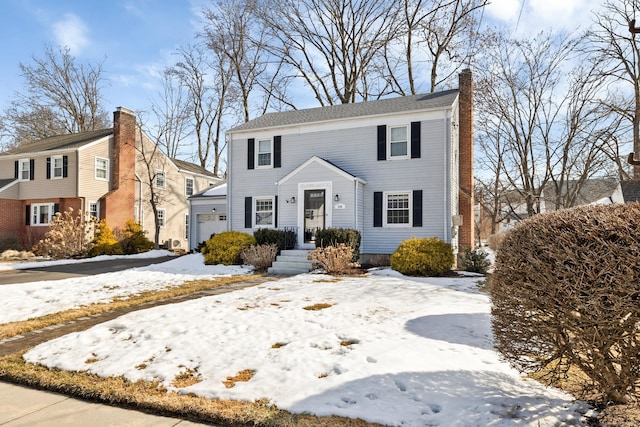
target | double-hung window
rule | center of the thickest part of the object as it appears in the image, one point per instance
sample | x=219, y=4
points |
x=397, y=209
x=42, y=213
x=188, y=187
x=186, y=226
x=24, y=170
x=264, y=215
x=161, y=180
x=398, y=141
x=57, y=167
x=162, y=215
x=94, y=209
x=102, y=168
x=265, y=151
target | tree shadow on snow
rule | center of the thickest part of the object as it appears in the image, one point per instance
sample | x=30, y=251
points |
x=472, y=329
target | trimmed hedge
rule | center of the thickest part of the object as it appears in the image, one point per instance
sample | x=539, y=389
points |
x=334, y=236
x=422, y=257
x=283, y=239
x=226, y=247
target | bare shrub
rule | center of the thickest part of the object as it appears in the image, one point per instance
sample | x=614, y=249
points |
x=334, y=259
x=260, y=256
x=566, y=294
x=69, y=236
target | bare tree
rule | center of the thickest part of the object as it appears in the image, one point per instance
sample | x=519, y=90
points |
x=539, y=124
x=171, y=113
x=615, y=46
x=207, y=84
x=334, y=46
x=61, y=96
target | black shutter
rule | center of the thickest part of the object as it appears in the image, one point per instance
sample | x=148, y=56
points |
x=65, y=166
x=32, y=169
x=417, y=208
x=16, y=167
x=275, y=212
x=27, y=220
x=377, y=209
x=248, y=208
x=251, y=153
x=48, y=167
x=56, y=208
x=277, y=151
x=415, y=140
x=382, y=142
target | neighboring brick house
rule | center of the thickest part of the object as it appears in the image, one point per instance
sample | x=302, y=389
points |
x=392, y=168
x=100, y=172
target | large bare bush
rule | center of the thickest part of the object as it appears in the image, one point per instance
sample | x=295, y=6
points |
x=566, y=293
x=260, y=256
x=334, y=259
x=69, y=236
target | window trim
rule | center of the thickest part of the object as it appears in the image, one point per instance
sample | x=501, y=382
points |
x=97, y=205
x=385, y=209
x=160, y=173
x=96, y=168
x=21, y=171
x=187, y=226
x=53, y=167
x=186, y=186
x=272, y=199
x=163, y=224
x=406, y=142
x=257, y=162
x=35, y=214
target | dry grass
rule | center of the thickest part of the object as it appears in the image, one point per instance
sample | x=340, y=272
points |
x=16, y=328
x=279, y=345
x=187, y=378
x=319, y=306
x=152, y=397
x=333, y=280
x=242, y=376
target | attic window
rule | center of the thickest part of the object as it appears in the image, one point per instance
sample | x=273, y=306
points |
x=160, y=179
x=188, y=187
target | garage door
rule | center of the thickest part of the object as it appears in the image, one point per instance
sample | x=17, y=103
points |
x=209, y=224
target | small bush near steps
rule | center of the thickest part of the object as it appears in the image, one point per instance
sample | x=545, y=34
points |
x=260, y=256
x=226, y=247
x=334, y=259
x=422, y=257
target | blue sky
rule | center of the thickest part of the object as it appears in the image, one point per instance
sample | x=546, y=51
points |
x=137, y=38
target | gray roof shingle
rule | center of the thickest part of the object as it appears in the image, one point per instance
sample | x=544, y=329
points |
x=630, y=191
x=429, y=101
x=192, y=167
x=68, y=141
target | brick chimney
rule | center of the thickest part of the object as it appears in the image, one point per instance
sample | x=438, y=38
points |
x=465, y=198
x=117, y=206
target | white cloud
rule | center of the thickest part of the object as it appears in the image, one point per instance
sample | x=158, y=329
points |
x=504, y=10
x=71, y=32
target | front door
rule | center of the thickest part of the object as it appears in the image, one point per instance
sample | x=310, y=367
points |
x=314, y=213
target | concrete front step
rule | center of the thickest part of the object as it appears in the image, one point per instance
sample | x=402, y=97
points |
x=291, y=262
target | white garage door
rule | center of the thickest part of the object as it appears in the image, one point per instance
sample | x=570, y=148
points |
x=209, y=224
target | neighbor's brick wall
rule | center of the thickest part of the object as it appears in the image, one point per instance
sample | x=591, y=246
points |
x=117, y=206
x=11, y=216
x=466, y=202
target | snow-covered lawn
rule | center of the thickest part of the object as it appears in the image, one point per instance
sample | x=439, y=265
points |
x=29, y=300
x=389, y=349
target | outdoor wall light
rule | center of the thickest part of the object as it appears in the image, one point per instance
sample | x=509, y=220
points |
x=336, y=197
x=292, y=200
x=213, y=210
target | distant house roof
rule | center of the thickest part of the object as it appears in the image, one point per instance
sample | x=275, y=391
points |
x=630, y=191
x=430, y=101
x=5, y=182
x=595, y=190
x=217, y=191
x=192, y=167
x=68, y=141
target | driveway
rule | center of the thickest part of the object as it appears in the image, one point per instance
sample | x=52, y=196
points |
x=65, y=271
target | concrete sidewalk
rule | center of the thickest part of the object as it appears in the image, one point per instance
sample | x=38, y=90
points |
x=22, y=406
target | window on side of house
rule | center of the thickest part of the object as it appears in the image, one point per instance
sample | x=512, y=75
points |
x=188, y=187
x=41, y=213
x=263, y=208
x=162, y=215
x=102, y=168
x=265, y=152
x=398, y=142
x=24, y=170
x=57, y=167
x=161, y=180
x=397, y=209
x=94, y=209
x=186, y=226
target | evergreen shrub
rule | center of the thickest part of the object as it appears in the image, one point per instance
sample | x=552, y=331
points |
x=335, y=236
x=422, y=257
x=134, y=239
x=283, y=239
x=226, y=247
x=105, y=242
x=474, y=260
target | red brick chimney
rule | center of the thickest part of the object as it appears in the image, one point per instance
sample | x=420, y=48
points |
x=465, y=182
x=117, y=206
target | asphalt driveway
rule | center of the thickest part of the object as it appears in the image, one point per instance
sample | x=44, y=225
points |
x=65, y=271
